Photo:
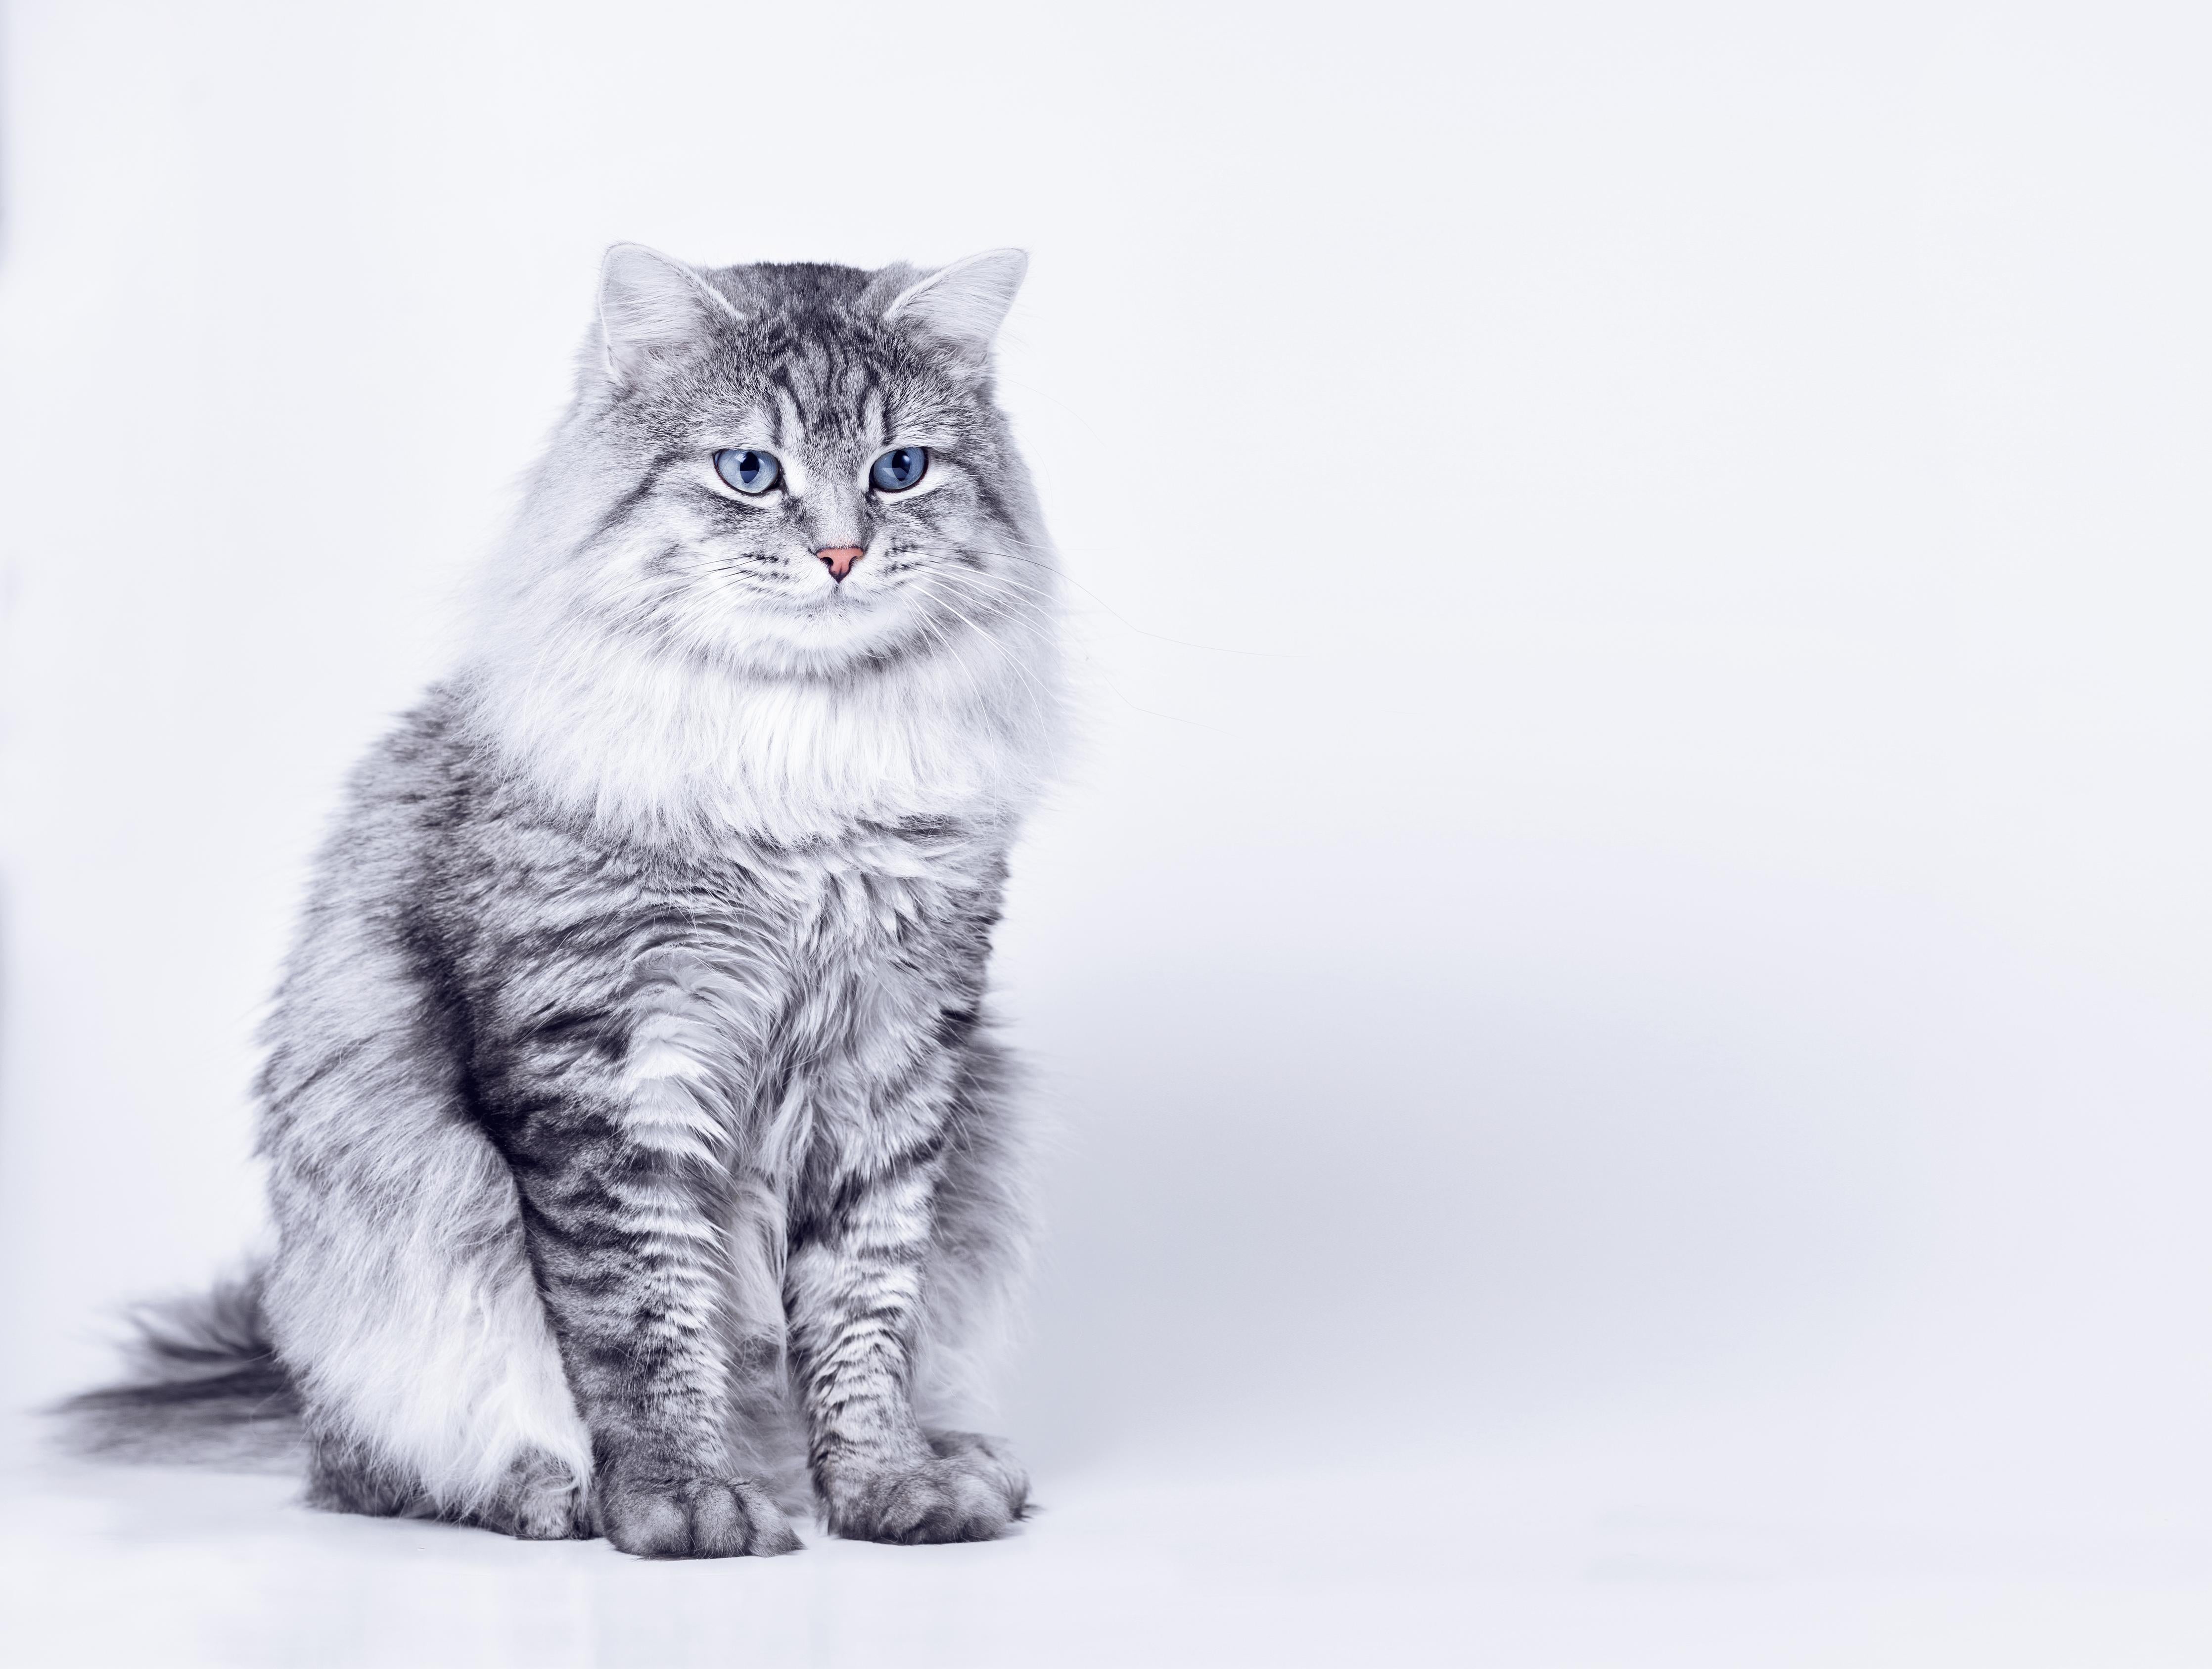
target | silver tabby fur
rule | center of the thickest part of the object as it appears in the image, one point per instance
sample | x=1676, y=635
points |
x=640, y=1154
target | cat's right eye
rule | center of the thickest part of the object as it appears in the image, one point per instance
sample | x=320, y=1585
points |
x=746, y=470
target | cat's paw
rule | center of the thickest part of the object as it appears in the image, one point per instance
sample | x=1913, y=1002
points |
x=692, y=1518
x=539, y=1500
x=967, y=1488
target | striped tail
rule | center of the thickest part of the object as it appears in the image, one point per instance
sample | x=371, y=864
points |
x=204, y=1388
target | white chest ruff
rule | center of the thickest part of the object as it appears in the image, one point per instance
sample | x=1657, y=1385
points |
x=659, y=748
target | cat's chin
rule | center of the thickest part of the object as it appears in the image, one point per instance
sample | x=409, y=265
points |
x=825, y=643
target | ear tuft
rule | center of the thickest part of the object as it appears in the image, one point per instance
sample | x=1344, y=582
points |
x=652, y=308
x=965, y=303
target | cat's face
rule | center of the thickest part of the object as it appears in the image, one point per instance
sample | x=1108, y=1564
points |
x=797, y=471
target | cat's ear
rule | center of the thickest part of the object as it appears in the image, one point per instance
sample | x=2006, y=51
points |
x=963, y=305
x=653, y=308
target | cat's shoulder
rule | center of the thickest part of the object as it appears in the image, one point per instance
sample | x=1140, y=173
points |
x=413, y=776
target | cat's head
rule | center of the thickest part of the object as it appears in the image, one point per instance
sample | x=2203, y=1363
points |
x=791, y=470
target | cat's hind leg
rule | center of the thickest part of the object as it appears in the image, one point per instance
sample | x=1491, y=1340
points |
x=402, y=1302
x=539, y=1499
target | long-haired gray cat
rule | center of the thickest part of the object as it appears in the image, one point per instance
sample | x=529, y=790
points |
x=638, y=1149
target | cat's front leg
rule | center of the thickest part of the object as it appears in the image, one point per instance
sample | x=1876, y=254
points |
x=630, y=1257
x=626, y=1205
x=853, y=1287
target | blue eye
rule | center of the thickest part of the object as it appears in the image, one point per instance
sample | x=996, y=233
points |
x=746, y=470
x=899, y=469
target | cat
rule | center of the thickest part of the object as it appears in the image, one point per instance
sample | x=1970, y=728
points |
x=642, y=1160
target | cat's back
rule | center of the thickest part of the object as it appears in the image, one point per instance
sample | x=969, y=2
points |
x=445, y=894
x=356, y=953
x=402, y=801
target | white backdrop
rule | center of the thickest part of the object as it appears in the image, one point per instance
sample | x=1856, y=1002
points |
x=1625, y=967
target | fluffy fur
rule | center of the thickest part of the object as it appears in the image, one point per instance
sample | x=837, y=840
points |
x=640, y=1154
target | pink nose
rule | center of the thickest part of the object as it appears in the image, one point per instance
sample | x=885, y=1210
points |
x=839, y=558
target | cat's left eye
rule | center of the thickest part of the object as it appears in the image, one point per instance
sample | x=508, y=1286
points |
x=899, y=469
x=749, y=471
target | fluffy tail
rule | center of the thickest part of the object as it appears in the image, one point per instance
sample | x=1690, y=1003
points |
x=206, y=1387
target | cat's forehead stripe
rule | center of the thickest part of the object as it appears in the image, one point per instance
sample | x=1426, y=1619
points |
x=787, y=420
x=825, y=395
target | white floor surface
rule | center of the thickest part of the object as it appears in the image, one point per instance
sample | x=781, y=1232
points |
x=1516, y=1564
